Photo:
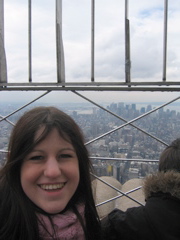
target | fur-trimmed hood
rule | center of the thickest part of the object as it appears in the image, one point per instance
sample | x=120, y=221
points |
x=166, y=182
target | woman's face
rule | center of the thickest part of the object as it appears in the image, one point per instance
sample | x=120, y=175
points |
x=50, y=173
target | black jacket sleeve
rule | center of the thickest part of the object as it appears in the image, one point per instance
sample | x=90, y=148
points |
x=112, y=225
x=119, y=225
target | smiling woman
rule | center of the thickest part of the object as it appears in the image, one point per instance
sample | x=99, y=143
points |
x=45, y=184
x=50, y=173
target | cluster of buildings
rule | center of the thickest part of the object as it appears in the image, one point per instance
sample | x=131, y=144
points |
x=129, y=142
x=127, y=145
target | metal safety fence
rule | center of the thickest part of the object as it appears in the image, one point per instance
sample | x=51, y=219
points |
x=61, y=83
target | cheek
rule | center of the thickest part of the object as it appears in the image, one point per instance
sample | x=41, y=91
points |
x=73, y=172
x=77, y=177
x=24, y=179
x=23, y=174
x=27, y=176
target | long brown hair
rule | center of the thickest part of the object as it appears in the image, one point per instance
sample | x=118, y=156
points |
x=12, y=196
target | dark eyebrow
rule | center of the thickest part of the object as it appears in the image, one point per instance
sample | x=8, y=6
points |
x=36, y=150
x=68, y=149
x=60, y=150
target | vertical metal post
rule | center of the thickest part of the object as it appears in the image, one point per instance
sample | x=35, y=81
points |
x=3, y=65
x=30, y=41
x=127, y=45
x=92, y=39
x=165, y=39
x=59, y=44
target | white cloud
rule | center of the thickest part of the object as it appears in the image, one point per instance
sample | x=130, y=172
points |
x=146, y=29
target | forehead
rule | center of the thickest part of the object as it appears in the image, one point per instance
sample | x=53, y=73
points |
x=43, y=132
x=39, y=132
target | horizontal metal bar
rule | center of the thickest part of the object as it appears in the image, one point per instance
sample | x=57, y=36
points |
x=92, y=88
x=3, y=151
x=124, y=159
x=167, y=83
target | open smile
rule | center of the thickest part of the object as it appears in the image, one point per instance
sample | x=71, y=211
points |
x=48, y=187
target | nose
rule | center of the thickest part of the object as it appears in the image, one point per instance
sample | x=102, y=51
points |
x=52, y=168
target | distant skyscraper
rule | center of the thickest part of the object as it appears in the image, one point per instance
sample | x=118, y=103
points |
x=142, y=110
x=133, y=106
x=149, y=108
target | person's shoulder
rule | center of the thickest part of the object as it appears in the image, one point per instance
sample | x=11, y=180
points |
x=117, y=216
x=123, y=224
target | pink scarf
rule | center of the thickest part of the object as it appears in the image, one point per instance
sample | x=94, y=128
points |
x=66, y=225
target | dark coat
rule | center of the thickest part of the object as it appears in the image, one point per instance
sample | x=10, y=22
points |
x=159, y=219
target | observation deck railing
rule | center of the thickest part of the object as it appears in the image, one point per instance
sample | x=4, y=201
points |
x=61, y=83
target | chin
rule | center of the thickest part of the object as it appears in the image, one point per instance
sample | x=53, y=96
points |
x=54, y=210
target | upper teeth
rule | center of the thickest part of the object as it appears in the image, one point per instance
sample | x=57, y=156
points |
x=52, y=186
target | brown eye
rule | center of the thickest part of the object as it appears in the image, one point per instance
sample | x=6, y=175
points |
x=65, y=156
x=38, y=157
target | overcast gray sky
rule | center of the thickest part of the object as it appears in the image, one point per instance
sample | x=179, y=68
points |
x=146, y=30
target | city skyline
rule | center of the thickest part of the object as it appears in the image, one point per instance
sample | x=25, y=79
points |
x=55, y=101
x=127, y=142
x=99, y=97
